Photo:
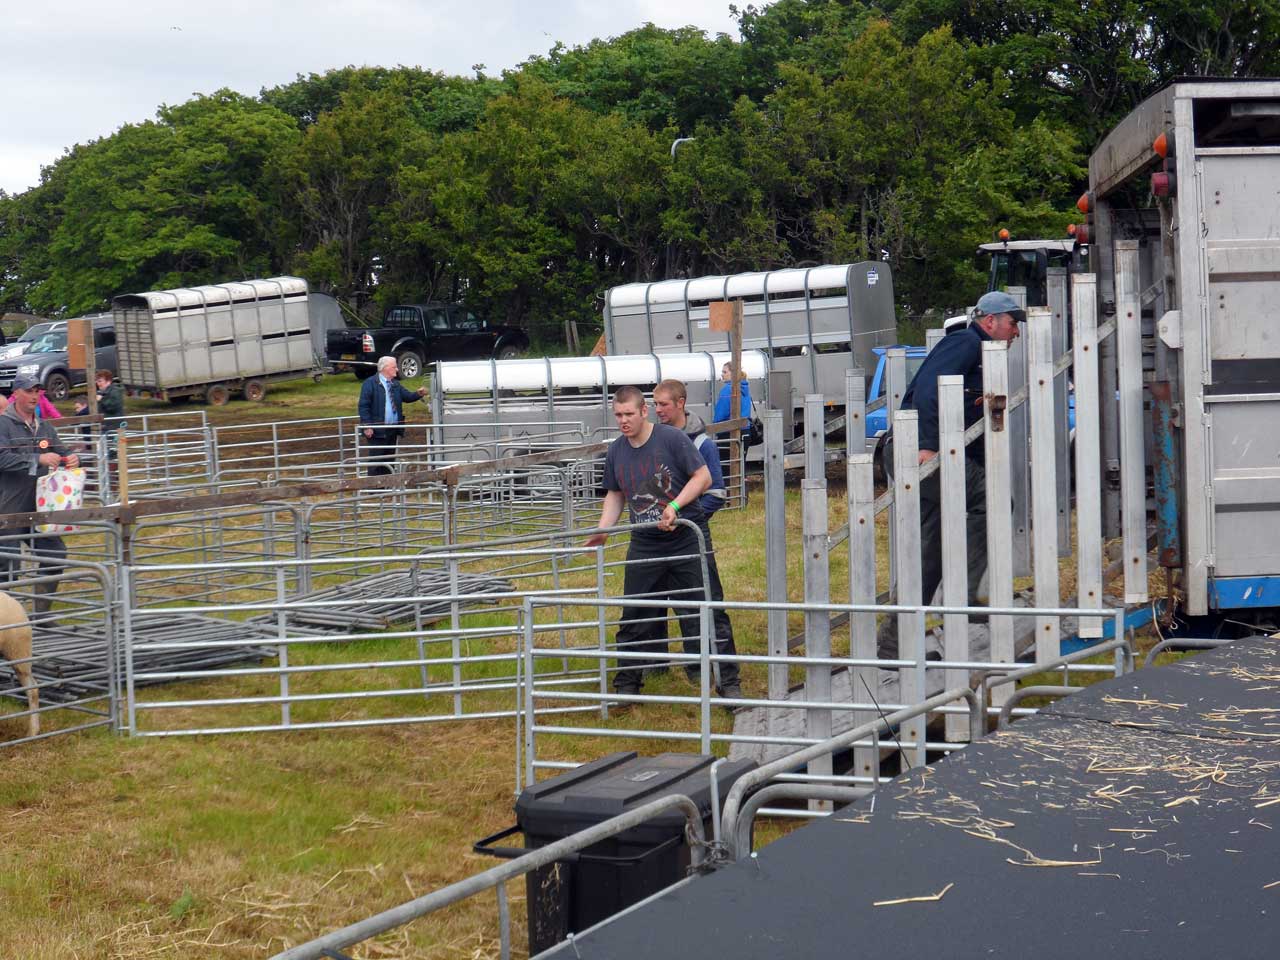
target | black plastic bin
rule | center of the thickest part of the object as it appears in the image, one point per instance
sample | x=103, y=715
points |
x=573, y=894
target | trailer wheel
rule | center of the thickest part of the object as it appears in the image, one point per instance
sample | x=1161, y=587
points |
x=57, y=387
x=255, y=390
x=508, y=352
x=217, y=395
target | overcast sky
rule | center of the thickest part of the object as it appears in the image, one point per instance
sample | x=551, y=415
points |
x=75, y=70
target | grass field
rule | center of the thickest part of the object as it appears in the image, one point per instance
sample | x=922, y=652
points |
x=235, y=846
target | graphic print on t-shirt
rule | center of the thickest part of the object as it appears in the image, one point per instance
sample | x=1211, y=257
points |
x=652, y=493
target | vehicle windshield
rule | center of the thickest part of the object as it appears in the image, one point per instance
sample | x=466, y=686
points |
x=53, y=341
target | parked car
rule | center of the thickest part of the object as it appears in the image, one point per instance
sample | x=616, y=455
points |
x=45, y=357
x=420, y=333
x=22, y=343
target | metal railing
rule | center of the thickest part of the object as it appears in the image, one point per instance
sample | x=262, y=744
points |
x=495, y=878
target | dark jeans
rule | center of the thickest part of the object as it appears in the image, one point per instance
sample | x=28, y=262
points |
x=381, y=453
x=642, y=628
x=723, y=626
x=931, y=546
x=48, y=547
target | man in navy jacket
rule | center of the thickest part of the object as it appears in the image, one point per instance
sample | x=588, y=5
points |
x=996, y=317
x=382, y=400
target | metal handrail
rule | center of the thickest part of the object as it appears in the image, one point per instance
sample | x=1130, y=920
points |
x=499, y=875
x=753, y=778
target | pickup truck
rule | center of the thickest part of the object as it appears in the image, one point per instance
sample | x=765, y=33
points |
x=420, y=333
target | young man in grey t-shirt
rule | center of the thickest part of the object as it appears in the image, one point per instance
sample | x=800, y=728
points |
x=658, y=474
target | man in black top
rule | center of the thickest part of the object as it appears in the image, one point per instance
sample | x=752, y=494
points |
x=996, y=317
x=656, y=471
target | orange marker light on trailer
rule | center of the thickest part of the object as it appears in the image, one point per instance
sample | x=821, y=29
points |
x=1084, y=203
x=1161, y=145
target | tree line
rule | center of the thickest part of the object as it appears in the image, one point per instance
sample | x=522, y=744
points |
x=827, y=131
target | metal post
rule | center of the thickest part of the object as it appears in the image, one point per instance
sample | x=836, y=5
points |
x=817, y=625
x=815, y=437
x=1044, y=487
x=932, y=338
x=455, y=622
x=126, y=595
x=1056, y=279
x=995, y=387
x=1133, y=474
x=1108, y=407
x=282, y=633
x=529, y=685
x=1084, y=318
x=706, y=640
x=775, y=541
x=1019, y=451
x=602, y=635
x=955, y=568
x=860, y=486
x=855, y=411
x=906, y=536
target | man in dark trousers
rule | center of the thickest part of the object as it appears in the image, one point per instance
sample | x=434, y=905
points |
x=381, y=405
x=655, y=471
x=29, y=449
x=996, y=317
x=669, y=399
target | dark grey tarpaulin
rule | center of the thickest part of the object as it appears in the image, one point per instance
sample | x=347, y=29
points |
x=1139, y=818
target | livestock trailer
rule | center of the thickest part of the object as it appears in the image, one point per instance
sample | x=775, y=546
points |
x=1183, y=202
x=212, y=340
x=813, y=323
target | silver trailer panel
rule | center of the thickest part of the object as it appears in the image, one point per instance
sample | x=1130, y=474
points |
x=189, y=337
x=814, y=323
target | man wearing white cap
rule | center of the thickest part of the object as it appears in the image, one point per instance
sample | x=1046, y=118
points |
x=996, y=317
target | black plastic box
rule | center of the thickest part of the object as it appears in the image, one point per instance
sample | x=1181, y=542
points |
x=573, y=894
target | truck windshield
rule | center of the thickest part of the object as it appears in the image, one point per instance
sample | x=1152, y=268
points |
x=1019, y=268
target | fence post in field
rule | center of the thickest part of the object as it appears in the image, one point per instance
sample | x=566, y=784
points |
x=1044, y=472
x=995, y=388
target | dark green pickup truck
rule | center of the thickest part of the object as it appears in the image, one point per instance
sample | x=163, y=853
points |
x=420, y=333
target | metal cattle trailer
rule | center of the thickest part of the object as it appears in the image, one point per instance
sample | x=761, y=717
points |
x=209, y=341
x=483, y=409
x=1205, y=283
x=813, y=323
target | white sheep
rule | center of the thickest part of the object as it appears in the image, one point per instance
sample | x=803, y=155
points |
x=15, y=647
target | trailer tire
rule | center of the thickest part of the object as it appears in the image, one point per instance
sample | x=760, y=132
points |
x=255, y=390
x=217, y=395
x=508, y=352
x=57, y=387
x=410, y=364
